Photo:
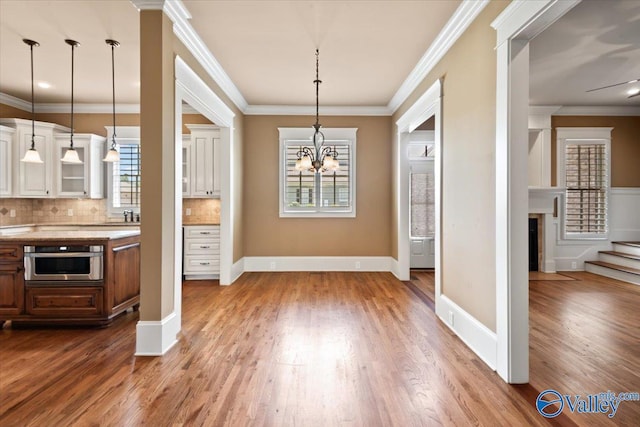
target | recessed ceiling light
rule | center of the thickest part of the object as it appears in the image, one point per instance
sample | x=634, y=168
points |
x=44, y=85
x=634, y=91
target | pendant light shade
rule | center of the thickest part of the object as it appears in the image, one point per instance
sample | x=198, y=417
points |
x=71, y=155
x=32, y=156
x=113, y=155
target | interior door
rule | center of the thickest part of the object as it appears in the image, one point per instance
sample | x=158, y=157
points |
x=422, y=210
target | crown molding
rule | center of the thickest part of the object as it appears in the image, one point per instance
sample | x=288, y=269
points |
x=87, y=108
x=149, y=4
x=598, y=111
x=179, y=14
x=304, y=110
x=455, y=27
x=23, y=105
x=14, y=102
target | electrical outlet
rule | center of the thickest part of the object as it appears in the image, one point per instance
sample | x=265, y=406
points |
x=188, y=212
x=574, y=265
x=272, y=265
x=69, y=212
x=451, y=318
x=357, y=265
x=12, y=213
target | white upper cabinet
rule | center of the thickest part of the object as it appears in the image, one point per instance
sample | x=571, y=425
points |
x=33, y=179
x=186, y=166
x=6, y=145
x=52, y=178
x=204, y=160
x=84, y=180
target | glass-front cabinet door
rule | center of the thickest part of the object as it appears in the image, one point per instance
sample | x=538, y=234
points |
x=80, y=179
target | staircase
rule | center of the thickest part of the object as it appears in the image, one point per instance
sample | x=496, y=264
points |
x=622, y=263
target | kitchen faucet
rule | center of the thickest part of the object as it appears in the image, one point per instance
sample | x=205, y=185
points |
x=126, y=215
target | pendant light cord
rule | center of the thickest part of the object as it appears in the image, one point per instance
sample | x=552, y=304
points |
x=113, y=92
x=33, y=110
x=72, y=55
x=317, y=82
x=73, y=45
x=113, y=44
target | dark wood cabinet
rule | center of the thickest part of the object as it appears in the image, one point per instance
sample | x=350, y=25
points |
x=71, y=302
x=11, y=281
x=66, y=302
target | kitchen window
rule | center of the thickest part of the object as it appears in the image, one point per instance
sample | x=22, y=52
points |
x=123, y=177
x=309, y=194
x=584, y=170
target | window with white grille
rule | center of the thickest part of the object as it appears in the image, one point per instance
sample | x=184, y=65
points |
x=123, y=178
x=584, y=159
x=126, y=178
x=323, y=194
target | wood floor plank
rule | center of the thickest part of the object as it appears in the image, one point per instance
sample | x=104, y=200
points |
x=323, y=349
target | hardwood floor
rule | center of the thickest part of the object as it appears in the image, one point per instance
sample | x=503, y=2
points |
x=322, y=349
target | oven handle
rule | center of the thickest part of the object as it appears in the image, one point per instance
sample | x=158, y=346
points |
x=63, y=255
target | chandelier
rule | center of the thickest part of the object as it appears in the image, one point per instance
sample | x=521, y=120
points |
x=320, y=158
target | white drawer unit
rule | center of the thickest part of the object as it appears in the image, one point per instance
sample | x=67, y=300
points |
x=201, y=251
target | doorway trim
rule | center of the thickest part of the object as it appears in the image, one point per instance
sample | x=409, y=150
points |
x=520, y=22
x=429, y=104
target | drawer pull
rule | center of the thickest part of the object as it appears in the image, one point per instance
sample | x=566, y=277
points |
x=205, y=232
x=204, y=263
x=204, y=247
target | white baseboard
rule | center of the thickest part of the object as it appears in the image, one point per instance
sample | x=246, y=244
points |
x=330, y=263
x=395, y=269
x=236, y=270
x=155, y=338
x=480, y=339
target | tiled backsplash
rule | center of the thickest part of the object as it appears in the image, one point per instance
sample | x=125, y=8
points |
x=57, y=211
x=88, y=211
x=203, y=211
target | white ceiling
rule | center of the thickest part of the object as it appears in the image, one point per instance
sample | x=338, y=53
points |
x=367, y=49
x=597, y=43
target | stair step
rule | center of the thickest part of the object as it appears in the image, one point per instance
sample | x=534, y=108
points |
x=632, y=248
x=615, y=271
x=620, y=258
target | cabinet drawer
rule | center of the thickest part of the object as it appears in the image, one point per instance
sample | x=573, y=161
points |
x=202, y=247
x=66, y=302
x=201, y=264
x=191, y=232
x=11, y=253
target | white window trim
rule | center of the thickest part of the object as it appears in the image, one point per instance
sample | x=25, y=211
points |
x=124, y=135
x=330, y=134
x=576, y=136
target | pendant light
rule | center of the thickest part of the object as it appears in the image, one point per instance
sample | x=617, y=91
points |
x=112, y=154
x=71, y=155
x=32, y=156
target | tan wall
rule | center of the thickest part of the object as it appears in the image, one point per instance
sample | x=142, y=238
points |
x=468, y=172
x=266, y=234
x=625, y=145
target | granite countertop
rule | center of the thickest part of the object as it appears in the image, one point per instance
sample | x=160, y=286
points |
x=70, y=235
x=62, y=232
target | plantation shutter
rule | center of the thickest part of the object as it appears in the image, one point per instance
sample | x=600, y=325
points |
x=586, y=194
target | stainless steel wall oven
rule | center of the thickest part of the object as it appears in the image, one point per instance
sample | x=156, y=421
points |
x=63, y=263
